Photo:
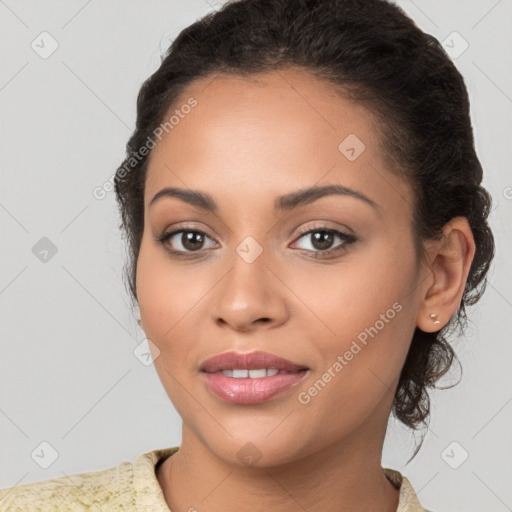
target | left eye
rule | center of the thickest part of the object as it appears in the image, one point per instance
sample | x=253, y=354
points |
x=323, y=239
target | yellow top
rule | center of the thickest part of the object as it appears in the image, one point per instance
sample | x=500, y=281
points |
x=129, y=487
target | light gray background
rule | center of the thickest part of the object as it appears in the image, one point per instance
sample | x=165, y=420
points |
x=68, y=374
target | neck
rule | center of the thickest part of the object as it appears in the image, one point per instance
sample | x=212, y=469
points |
x=341, y=477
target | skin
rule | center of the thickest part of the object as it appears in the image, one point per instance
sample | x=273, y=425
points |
x=247, y=142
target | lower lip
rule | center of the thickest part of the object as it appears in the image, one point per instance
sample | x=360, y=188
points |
x=250, y=391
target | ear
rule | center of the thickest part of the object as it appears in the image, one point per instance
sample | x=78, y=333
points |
x=449, y=260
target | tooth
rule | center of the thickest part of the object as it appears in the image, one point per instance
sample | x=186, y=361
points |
x=257, y=374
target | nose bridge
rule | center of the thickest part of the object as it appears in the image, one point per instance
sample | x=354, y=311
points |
x=249, y=275
x=249, y=291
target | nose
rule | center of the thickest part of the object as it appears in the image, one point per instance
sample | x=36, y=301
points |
x=250, y=296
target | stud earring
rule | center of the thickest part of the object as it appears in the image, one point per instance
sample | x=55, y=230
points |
x=433, y=316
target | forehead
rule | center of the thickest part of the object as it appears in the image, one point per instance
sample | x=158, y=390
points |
x=268, y=134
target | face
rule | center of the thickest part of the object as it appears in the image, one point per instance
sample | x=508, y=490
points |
x=329, y=283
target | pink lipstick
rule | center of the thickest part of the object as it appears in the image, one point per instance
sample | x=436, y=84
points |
x=250, y=377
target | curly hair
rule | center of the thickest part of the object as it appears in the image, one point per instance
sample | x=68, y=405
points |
x=374, y=54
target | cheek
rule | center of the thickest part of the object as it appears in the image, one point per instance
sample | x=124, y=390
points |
x=153, y=301
x=342, y=300
x=358, y=371
x=364, y=326
x=167, y=294
x=163, y=301
x=171, y=303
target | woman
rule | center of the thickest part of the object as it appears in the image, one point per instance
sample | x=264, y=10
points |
x=303, y=205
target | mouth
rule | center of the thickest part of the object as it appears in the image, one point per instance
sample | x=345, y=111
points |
x=239, y=363
x=250, y=378
x=258, y=373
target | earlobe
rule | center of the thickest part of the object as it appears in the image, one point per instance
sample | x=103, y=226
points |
x=433, y=317
x=449, y=264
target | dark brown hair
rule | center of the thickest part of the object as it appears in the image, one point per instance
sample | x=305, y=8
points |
x=377, y=56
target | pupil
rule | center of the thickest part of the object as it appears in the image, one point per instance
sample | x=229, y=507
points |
x=187, y=239
x=322, y=239
x=194, y=241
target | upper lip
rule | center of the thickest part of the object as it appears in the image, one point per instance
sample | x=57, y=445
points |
x=248, y=361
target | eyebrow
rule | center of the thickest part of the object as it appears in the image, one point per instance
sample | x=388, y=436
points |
x=286, y=202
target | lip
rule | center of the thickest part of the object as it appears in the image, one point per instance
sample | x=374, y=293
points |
x=250, y=391
x=249, y=361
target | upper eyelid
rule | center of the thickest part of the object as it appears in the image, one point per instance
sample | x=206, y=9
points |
x=306, y=229
x=187, y=228
x=319, y=227
x=302, y=232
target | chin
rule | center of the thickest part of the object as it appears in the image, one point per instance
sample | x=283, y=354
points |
x=256, y=451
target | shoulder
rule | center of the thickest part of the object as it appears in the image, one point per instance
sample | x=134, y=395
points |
x=80, y=491
x=120, y=488
x=408, y=501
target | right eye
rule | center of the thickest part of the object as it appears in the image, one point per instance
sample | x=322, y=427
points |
x=183, y=241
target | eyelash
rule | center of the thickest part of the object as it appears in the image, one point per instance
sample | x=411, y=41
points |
x=347, y=239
